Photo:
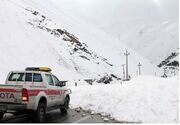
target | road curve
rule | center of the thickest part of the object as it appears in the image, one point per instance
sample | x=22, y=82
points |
x=55, y=116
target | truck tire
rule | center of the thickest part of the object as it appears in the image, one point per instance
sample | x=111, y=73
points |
x=1, y=115
x=65, y=107
x=39, y=114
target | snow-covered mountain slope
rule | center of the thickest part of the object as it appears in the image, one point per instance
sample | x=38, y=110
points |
x=149, y=27
x=171, y=64
x=153, y=41
x=171, y=60
x=35, y=33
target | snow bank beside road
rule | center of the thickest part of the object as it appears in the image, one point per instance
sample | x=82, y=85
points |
x=144, y=99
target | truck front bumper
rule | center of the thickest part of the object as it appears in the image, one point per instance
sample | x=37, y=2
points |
x=4, y=107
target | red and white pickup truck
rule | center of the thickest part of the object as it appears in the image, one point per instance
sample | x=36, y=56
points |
x=35, y=90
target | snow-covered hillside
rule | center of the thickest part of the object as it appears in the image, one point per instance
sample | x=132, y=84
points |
x=150, y=27
x=171, y=64
x=153, y=41
x=35, y=33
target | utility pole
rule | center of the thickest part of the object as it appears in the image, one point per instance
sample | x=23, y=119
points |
x=139, y=65
x=127, y=54
x=123, y=71
x=164, y=75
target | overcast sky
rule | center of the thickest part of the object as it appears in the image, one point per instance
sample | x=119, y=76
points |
x=104, y=12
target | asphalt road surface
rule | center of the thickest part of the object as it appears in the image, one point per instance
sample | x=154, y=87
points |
x=55, y=116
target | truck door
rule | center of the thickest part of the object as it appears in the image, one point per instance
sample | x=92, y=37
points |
x=60, y=96
x=51, y=91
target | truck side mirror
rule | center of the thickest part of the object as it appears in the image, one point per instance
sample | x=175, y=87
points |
x=64, y=84
x=61, y=84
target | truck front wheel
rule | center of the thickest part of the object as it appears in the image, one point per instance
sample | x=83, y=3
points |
x=39, y=115
x=65, y=107
x=1, y=115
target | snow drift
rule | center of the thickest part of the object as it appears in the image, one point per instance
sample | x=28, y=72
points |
x=144, y=99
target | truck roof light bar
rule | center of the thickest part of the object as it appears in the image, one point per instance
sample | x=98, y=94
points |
x=45, y=69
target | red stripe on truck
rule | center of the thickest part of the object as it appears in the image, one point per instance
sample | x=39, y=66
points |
x=35, y=92
x=9, y=90
x=48, y=92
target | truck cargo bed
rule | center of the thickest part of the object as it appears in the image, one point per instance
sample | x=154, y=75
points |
x=11, y=93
